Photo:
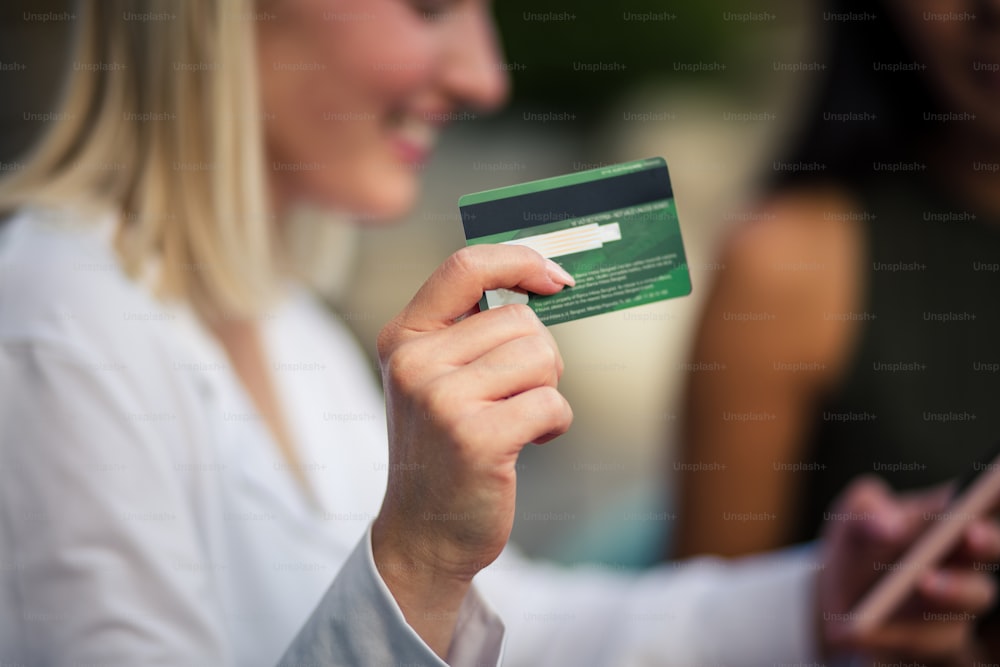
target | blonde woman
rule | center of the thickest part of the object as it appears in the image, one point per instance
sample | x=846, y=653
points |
x=192, y=455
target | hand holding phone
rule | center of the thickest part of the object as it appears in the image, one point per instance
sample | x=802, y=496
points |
x=974, y=497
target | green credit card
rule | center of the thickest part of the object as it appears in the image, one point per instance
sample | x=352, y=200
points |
x=614, y=229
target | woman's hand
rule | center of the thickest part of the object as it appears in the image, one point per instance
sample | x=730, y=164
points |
x=868, y=530
x=465, y=392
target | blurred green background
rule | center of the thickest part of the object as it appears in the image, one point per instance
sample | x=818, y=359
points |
x=647, y=37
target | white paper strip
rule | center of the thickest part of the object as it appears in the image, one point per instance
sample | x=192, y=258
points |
x=557, y=244
x=572, y=240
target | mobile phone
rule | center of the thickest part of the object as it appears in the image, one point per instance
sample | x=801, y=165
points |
x=975, y=495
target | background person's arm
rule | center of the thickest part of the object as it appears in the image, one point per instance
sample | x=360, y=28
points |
x=763, y=353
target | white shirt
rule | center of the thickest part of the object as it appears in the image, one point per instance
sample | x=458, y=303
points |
x=146, y=517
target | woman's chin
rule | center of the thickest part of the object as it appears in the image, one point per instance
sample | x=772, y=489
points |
x=388, y=200
x=384, y=207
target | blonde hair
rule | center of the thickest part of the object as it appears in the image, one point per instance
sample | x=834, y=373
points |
x=161, y=121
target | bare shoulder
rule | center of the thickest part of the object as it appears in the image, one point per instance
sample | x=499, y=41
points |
x=796, y=243
x=798, y=259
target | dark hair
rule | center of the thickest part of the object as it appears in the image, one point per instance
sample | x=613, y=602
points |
x=862, y=112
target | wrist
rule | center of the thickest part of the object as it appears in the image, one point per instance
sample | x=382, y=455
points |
x=416, y=557
x=429, y=596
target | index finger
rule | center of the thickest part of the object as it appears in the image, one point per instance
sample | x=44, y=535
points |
x=458, y=284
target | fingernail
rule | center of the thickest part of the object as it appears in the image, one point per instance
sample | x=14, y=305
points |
x=936, y=581
x=984, y=538
x=558, y=274
x=978, y=536
x=890, y=524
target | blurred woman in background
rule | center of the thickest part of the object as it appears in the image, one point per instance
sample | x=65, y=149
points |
x=856, y=316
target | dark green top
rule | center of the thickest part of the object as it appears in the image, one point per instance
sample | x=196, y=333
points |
x=921, y=399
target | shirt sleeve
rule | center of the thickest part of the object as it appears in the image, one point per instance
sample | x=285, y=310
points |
x=359, y=623
x=113, y=564
x=758, y=611
x=92, y=508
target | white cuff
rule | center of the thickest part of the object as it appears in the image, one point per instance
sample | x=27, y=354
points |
x=358, y=622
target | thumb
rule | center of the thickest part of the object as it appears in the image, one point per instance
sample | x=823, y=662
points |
x=457, y=285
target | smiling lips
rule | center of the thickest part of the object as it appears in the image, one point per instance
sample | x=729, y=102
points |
x=414, y=138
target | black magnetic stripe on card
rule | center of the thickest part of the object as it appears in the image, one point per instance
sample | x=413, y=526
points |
x=566, y=202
